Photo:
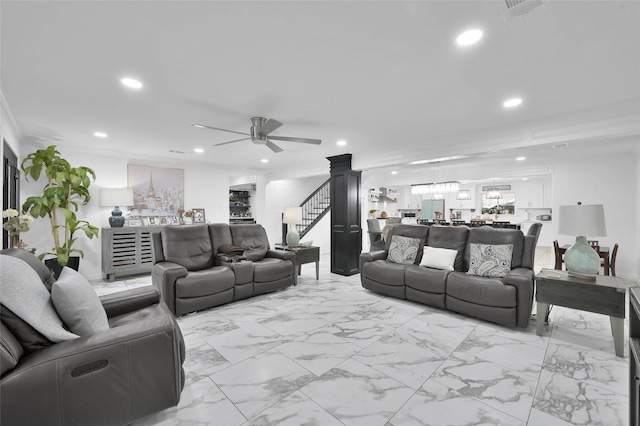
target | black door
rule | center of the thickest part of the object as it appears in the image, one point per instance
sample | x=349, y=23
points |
x=10, y=185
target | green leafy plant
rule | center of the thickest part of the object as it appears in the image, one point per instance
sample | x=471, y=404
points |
x=66, y=189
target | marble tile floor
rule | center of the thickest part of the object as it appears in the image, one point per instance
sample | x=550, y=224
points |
x=329, y=352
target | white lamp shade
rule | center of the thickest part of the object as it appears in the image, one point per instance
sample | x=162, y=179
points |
x=582, y=220
x=292, y=215
x=110, y=197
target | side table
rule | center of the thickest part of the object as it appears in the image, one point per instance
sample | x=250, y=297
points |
x=304, y=254
x=605, y=295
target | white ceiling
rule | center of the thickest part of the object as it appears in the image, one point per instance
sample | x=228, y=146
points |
x=385, y=76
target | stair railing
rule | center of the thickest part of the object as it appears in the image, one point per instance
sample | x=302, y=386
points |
x=314, y=208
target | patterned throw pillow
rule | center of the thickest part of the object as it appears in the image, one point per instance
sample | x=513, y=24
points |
x=403, y=249
x=492, y=261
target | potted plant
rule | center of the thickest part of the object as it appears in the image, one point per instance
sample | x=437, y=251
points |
x=65, y=190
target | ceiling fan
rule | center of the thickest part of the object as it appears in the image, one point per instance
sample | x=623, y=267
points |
x=259, y=134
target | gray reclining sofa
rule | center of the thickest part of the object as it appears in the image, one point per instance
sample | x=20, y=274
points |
x=194, y=271
x=502, y=295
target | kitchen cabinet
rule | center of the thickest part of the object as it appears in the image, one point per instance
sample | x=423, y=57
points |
x=531, y=195
x=239, y=206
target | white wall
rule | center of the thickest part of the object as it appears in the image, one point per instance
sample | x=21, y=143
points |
x=612, y=181
x=292, y=192
x=206, y=187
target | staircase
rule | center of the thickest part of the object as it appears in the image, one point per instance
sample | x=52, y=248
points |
x=314, y=208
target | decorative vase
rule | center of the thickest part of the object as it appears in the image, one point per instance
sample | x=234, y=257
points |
x=581, y=259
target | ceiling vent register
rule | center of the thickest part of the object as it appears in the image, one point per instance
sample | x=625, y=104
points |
x=516, y=8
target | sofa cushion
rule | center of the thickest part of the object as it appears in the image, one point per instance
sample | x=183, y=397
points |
x=29, y=338
x=438, y=258
x=252, y=238
x=188, y=246
x=271, y=269
x=78, y=304
x=403, y=249
x=206, y=282
x=411, y=231
x=426, y=279
x=450, y=237
x=488, y=260
x=23, y=293
x=385, y=272
x=481, y=290
x=10, y=350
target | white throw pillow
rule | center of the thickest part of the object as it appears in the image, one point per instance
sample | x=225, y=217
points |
x=78, y=304
x=22, y=291
x=438, y=258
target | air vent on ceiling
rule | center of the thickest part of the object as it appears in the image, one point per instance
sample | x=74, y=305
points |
x=515, y=8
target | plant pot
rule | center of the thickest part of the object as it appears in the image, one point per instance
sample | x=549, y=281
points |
x=56, y=268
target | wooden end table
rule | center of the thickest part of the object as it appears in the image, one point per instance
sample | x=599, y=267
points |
x=304, y=254
x=605, y=295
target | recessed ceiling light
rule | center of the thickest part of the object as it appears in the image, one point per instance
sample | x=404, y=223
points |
x=510, y=103
x=100, y=134
x=469, y=37
x=264, y=160
x=130, y=82
x=341, y=143
x=521, y=158
x=525, y=178
x=394, y=172
x=199, y=126
x=198, y=150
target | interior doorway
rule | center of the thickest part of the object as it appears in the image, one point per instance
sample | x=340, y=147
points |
x=10, y=185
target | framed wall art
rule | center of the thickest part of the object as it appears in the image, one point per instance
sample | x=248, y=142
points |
x=157, y=191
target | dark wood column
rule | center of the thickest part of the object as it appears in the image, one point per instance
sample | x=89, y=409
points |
x=346, y=230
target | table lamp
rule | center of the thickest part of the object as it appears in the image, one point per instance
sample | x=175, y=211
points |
x=581, y=259
x=293, y=217
x=116, y=197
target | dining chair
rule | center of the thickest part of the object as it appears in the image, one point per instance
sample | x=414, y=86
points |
x=375, y=235
x=558, y=253
x=595, y=244
x=612, y=262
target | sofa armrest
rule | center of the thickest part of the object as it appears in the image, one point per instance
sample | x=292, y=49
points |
x=126, y=301
x=282, y=254
x=136, y=365
x=523, y=280
x=164, y=276
x=371, y=256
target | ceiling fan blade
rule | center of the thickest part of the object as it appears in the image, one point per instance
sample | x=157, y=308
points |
x=302, y=140
x=202, y=126
x=270, y=126
x=273, y=147
x=237, y=140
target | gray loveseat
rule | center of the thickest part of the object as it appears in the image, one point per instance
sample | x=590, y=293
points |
x=194, y=271
x=504, y=300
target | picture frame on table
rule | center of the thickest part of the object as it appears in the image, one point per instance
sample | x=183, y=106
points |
x=134, y=221
x=164, y=220
x=152, y=220
x=175, y=220
x=146, y=221
x=198, y=216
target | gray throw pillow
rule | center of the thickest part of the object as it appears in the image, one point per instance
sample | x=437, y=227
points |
x=78, y=304
x=492, y=261
x=403, y=249
x=22, y=292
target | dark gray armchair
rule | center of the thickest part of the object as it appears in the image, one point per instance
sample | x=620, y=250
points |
x=113, y=377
